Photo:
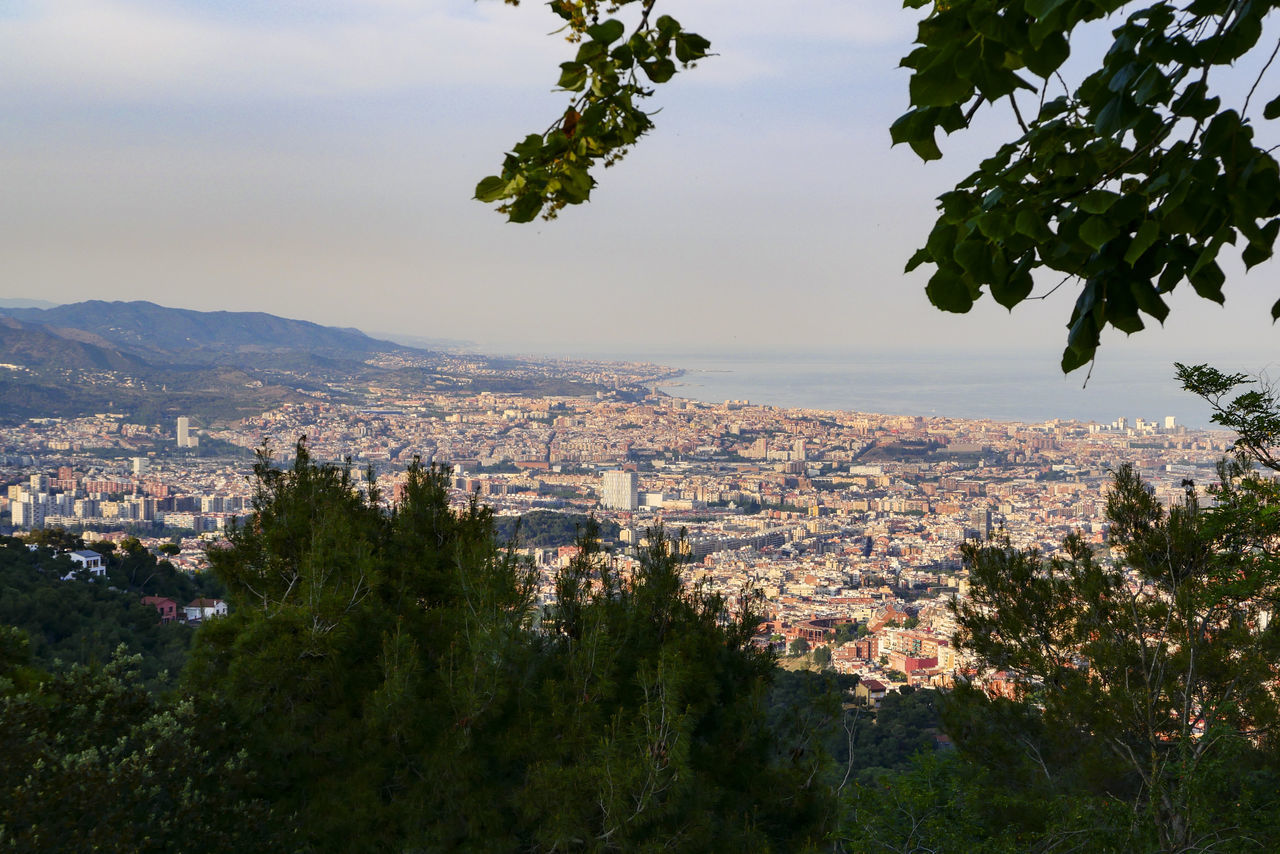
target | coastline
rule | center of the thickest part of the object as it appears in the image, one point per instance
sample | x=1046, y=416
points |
x=996, y=389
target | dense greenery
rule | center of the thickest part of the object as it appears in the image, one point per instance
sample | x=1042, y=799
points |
x=94, y=761
x=548, y=529
x=85, y=621
x=387, y=676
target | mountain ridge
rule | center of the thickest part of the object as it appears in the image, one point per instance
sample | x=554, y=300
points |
x=145, y=327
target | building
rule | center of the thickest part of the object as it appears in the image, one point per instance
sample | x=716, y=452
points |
x=204, y=609
x=187, y=437
x=621, y=490
x=167, y=607
x=90, y=560
x=29, y=512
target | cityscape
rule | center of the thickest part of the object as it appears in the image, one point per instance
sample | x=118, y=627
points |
x=835, y=518
x=636, y=426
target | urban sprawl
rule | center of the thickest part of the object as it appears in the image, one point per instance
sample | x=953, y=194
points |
x=844, y=522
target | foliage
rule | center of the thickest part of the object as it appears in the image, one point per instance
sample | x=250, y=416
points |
x=1130, y=180
x=1253, y=415
x=95, y=762
x=385, y=671
x=610, y=76
x=1130, y=183
x=1153, y=673
x=947, y=803
x=83, y=621
x=846, y=632
x=799, y=646
x=547, y=528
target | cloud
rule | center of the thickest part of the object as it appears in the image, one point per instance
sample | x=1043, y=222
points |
x=132, y=50
x=140, y=50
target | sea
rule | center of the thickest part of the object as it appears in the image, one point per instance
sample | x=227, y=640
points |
x=1029, y=387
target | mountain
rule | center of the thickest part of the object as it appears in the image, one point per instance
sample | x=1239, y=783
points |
x=33, y=345
x=153, y=363
x=27, y=303
x=151, y=331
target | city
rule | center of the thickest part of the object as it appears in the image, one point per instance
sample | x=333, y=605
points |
x=835, y=518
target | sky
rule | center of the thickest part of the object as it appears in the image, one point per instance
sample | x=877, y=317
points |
x=316, y=159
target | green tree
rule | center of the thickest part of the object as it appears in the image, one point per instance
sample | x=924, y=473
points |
x=799, y=646
x=1156, y=667
x=83, y=622
x=388, y=674
x=96, y=762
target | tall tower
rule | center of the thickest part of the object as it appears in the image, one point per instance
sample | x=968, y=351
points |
x=621, y=490
x=184, y=431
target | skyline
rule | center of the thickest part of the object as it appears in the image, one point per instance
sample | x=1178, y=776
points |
x=299, y=158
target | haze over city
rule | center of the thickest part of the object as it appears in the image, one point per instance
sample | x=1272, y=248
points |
x=317, y=160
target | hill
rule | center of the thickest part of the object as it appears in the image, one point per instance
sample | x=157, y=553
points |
x=152, y=363
x=144, y=328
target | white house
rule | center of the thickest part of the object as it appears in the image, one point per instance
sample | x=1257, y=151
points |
x=92, y=561
x=203, y=609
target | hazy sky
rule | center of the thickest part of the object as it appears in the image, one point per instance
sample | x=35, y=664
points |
x=316, y=158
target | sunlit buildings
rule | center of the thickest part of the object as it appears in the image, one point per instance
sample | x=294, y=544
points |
x=621, y=490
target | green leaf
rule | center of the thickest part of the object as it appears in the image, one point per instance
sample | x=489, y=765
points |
x=589, y=52
x=1142, y=241
x=1073, y=359
x=1117, y=115
x=916, y=128
x=1041, y=9
x=573, y=76
x=974, y=257
x=691, y=47
x=1098, y=201
x=659, y=70
x=1012, y=290
x=920, y=256
x=491, y=189
x=1261, y=247
x=1272, y=109
x=1097, y=230
x=938, y=84
x=525, y=208
x=1032, y=224
x=947, y=291
x=1208, y=281
x=1149, y=299
x=667, y=26
x=608, y=32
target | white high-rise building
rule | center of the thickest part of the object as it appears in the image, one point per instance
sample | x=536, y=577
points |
x=28, y=513
x=621, y=490
x=140, y=466
x=184, y=431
